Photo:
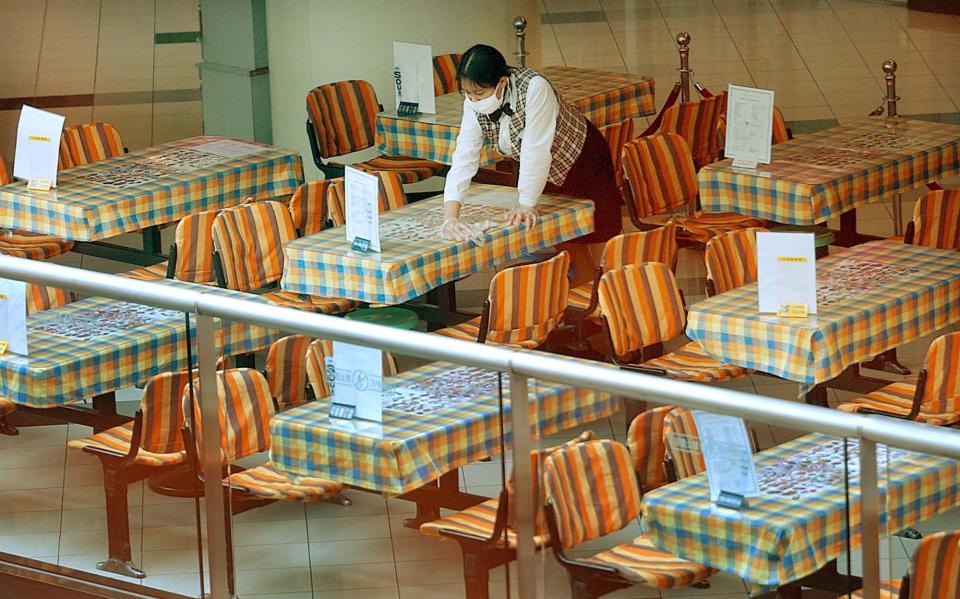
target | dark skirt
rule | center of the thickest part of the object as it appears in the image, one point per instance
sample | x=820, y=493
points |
x=592, y=178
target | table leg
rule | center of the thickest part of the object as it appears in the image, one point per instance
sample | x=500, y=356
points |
x=817, y=396
x=848, y=236
x=151, y=240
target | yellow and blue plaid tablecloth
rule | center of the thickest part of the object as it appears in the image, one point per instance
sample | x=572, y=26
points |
x=603, y=97
x=778, y=539
x=822, y=175
x=65, y=368
x=81, y=209
x=871, y=298
x=411, y=450
x=324, y=265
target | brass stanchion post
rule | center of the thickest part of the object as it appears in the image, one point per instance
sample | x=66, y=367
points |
x=520, y=31
x=683, y=43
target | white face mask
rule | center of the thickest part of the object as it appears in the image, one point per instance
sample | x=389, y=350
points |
x=486, y=105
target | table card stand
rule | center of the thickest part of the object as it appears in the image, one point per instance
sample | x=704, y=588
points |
x=413, y=78
x=749, y=126
x=13, y=317
x=38, y=148
x=728, y=455
x=787, y=274
x=355, y=374
x=362, y=200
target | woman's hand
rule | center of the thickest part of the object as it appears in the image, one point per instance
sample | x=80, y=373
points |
x=455, y=229
x=520, y=214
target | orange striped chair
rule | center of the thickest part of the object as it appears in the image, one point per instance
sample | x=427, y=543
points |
x=341, y=118
x=731, y=260
x=936, y=220
x=133, y=451
x=445, y=73
x=89, y=142
x=781, y=132
x=661, y=180
x=309, y=206
x=321, y=349
x=487, y=532
x=934, y=571
x=287, y=371
x=641, y=306
x=248, y=245
x=698, y=124
x=524, y=306
x=391, y=196
x=931, y=396
x=573, y=476
x=39, y=298
x=23, y=244
x=245, y=409
x=647, y=448
x=191, y=253
x=617, y=135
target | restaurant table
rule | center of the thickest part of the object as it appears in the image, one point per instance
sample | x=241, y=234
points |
x=603, y=97
x=414, y=260
x=830, y=173
x=436, y=418
x=870, y=298
x=149, y=187
x=95, y=346
x=797, y=526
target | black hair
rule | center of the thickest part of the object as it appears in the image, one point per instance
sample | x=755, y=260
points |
x=483, y=65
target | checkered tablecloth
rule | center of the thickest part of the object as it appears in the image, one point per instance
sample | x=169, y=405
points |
x=603, y=97
x=84, y=209
x=871, y=298
x=87, y=359
x=323, y=264
x=409, y=451
x=777, y=539
x=822, y=175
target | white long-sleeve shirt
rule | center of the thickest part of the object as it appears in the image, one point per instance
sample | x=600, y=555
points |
x=537, y=138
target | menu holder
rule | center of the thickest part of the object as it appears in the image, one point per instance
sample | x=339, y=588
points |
x=355, y=374
x=38, y=148
x=728, y=455
x=787, y=274
x=362, y=200
x=413, y=78
x=749, y=125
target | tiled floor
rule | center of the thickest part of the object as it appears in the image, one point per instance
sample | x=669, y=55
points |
x=822, y=57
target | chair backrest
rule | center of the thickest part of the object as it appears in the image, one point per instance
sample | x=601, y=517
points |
x=683, y=443
x=343, y=115
x=935, y=567
x=91, y=142
x=642, y=305
x=780, y=131
x=287, y=370
x=162, y=412
x=43, y=297
x=731, y=259
x=336, y=198
x=63, y=157
x=194, y=241
x=245, y=409
x=445, y=73
x=661, y=174
x=698, y=123
x=616, y=135
x=6, y=175
x=941, y=393
x=592, y=488
x=527, y=302
x=318, y=350
x=309, y=206
x=636, y=247
x=249, y=240
x=645, y=441
x=936, y=220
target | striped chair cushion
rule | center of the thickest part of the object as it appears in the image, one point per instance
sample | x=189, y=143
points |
x=889, y=589
x=780, y=131
x=336, y=210
x=592, y=488
x=287, y=370
x=936, y=220
x=691, y=363
x=250, y=240
x=310, y=303
x=527, y=301
x=91, y=142
x=645, y=442
x=147, y=273
x=268, y=482
x=6, y=406
x=409, y=169
x=163, y=413
x=580, y=297
x=23, y=244
x=898, y=399
x=63, y=158
x=682, y=443
x=642, y=305
x=642, y=563
x=194, y=239
x=698, y=124
x=942, y=390
x=661, y=174
x=935, y=567
x=6, y=175
x=343, y=115
x=703, y=226
x=308, y=206
x=470, y=331
x=317, y=371
x=43, y=297
x=117, y=440
x=245, y=409
x=478, y=521
x=617, y=135
x=655, y=245
x=731, y=259
x=445, y=73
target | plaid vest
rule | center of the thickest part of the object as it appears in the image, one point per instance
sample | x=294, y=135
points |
x=568, y=140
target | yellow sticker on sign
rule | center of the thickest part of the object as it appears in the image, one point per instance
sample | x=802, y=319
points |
x=3, y=347
x=39, y=138
x=791, y=259
x=792, y=310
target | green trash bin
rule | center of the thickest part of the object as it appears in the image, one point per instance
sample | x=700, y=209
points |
x=823, y=236
x=389, y=316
